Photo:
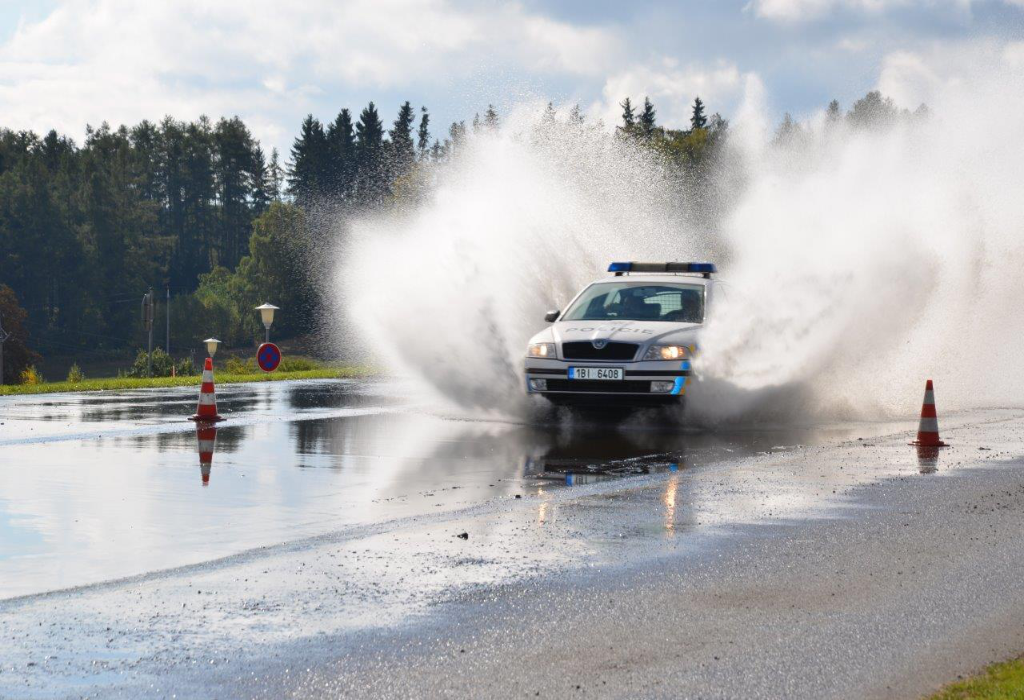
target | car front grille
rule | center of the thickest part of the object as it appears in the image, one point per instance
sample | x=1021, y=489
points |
x=599, y=386
x=587, y=351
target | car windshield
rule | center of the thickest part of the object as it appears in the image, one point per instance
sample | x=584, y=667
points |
x=623, y=301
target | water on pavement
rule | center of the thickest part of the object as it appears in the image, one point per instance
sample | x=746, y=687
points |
x=95, y=487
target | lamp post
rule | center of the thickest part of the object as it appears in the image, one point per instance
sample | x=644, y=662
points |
x=211, y=346
x=147, y=321
x=4, y=335
x=267, y=314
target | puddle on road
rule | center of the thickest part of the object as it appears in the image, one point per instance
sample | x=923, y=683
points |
x=78, y=511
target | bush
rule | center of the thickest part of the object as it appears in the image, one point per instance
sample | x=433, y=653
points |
x=75, y=375
x=186, y=368
x=236, y=365
x=298, y=364
x=162, y=364
x=30, y=375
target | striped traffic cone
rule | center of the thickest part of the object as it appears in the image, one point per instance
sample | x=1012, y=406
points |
x=206, y=436
x=207, y=410
x=928, y=431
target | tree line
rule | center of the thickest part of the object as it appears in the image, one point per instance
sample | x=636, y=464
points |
x=201, y=209
x=197, y=207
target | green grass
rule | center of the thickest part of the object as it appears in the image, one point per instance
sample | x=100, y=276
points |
x=1003, y=681
x=117, y=383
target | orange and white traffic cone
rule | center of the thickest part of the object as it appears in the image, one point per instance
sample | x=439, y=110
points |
x=207, y=410
x=928, y=431
x=206, y=436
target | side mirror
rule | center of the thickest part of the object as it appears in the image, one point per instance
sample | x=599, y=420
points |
x=552, y=316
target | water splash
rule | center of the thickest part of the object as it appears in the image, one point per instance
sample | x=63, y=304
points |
x=866, y=261
x=452, y=289
x=860, y=262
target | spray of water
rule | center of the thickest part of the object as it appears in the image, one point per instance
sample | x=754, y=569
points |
x=859, y=262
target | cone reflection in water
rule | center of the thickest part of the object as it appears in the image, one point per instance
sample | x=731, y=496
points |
x=928, y=458
x=206, y=437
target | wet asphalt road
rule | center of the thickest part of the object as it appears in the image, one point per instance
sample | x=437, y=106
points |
x=922, y=587
x=321, y=558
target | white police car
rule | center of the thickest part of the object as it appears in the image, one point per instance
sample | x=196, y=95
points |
x=624, y=340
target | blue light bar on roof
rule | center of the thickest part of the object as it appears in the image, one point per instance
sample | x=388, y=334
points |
x=705, y=268
x=702, y=267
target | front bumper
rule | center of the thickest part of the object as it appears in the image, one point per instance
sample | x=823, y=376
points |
x=644, y=382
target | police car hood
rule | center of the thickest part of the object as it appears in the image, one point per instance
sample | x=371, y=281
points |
x=640, y=332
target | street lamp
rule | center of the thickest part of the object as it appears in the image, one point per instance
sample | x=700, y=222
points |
x=211, y=346
x=267, y=314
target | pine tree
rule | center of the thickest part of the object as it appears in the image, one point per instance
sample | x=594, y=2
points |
x=491, y=118
x=371, y=186
x=788, y=131
x=833, y=114
x=697, y=119
x=145, y=141
x=262, y=195
x=341, y=156
x=549, y=115
x=873, y=110
x=647, y=120
x=199, y=196
x=423, y=133
x=403, y=151
x=55, y=150
x=170, y=178
x=307, y=166
x=628, y=116
x=717, y=125
x=275, y=176
x=457, y=133
x=576, y=115
x=237, y=170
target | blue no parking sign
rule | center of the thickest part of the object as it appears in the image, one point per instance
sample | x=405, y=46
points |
x=268, y=357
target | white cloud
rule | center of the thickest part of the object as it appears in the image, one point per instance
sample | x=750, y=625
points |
x=803, y=10
x=930, y=74
x=852, y=44
x=567, y=48
x=672, y=89
x=123, y=61
x=271, y=62
x=909, y=79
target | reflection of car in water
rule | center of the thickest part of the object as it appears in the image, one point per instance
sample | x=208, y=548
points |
x=597, y=454
x=628, y=339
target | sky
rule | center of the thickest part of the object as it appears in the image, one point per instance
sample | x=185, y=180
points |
x=68, y=63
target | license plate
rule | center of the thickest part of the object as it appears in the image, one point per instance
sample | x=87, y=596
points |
x=605, y=373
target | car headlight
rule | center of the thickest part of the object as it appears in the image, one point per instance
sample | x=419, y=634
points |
x=545, y=350
x=665, y=352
